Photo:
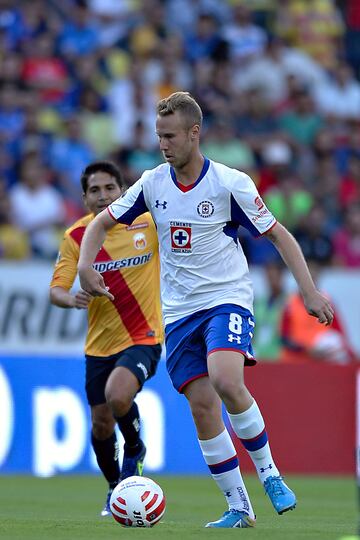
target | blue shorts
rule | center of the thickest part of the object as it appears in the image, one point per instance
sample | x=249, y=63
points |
x=191, y=339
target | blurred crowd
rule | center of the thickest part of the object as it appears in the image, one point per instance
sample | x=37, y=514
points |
x=278, y=82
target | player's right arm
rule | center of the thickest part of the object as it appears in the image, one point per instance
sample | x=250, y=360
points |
x=92, y=281
x=123, y=210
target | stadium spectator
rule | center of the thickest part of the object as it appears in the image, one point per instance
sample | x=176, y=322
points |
x=325, y=185
x=350, y=183
x=217, y=92
x=314, y=26
x=245, y=39
x=124, y=335
x=222, y=144
x=69, y=154
x=304, y=340
x=149, y=30
x=347, y=239
x=130, y=101
x=139, y=157
x=10, y=67
x=255, y=121
x=37, y=208
x=276, y=160
x=270, y=71
x=206, y=295
x=182, y=15
x=45, y=71
x=112, y=20
x=97, y=125
x=302, y=122
x=313, y=235
x=33, y=137
x=339, y=95
x=78, y=36
x=352, y=33
x=12, y=117
x=268, y=308
x=289, y=201
x=14, y=242
x=206, y=41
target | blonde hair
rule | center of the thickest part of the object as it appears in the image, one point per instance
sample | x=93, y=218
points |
x=185, y=104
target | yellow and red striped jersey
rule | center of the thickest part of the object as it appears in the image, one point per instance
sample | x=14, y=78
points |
x=129, y=264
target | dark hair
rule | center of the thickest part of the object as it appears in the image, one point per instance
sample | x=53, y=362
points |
x=101, y=166
x=185, y=104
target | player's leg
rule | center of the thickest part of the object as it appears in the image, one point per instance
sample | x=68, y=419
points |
x=219, y=453
x=187, y=368
x=132, y=368
x=226, y=374
x=226, y=358
x=103, y=438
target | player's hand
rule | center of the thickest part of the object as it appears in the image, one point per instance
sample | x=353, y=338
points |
x=319, y=306
x=93, y=283
x=81, y=299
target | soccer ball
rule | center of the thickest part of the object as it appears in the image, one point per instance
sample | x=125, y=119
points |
x=137, y=502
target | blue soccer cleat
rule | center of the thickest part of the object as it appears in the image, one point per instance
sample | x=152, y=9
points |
x=282, y=498
x=133, y=465
x=106, y=510
x=232, y=519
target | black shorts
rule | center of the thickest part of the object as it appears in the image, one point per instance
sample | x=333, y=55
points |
x=141, y=360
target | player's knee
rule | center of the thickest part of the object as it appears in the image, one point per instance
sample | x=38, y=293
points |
x=229, y=389
x=119, y=403
x=201, y=409
x=102, y=428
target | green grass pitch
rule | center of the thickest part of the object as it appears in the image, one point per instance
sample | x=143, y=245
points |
x=67, y=507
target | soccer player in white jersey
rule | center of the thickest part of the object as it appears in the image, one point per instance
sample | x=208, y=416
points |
x=207, y=297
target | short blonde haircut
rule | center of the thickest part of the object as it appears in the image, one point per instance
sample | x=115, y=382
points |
x=185, y=104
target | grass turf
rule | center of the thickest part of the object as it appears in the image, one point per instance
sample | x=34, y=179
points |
x=67, y=507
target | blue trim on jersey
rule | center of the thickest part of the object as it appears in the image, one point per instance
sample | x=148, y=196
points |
x=204, y=170
x=256, y=443
x=139, y=207
x=225, y=466
x=238, y=215
x=231, y=229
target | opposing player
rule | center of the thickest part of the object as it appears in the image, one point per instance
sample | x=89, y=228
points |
x=123, y=344
x=197, y=206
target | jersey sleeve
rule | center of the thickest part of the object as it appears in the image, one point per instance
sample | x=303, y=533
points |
x=247, y=207
x=66, y=264
x=131, y=205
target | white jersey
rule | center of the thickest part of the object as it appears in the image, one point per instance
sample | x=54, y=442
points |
x=202, y=263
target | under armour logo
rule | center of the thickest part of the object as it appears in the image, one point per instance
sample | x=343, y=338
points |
x=263, y=469
x=232, y=338
x=158, y=203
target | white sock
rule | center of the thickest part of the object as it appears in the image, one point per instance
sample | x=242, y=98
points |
x=249, y=426
x=220, y=456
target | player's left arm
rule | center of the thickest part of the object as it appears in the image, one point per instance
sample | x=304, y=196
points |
x=315, y=303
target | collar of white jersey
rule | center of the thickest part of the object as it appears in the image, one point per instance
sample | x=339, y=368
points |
x=204, y=170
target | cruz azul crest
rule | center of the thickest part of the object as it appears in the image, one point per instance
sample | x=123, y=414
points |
x=180, y=234
x=205, y=209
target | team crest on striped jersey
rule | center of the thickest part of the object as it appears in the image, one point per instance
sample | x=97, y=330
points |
x=139, y=240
